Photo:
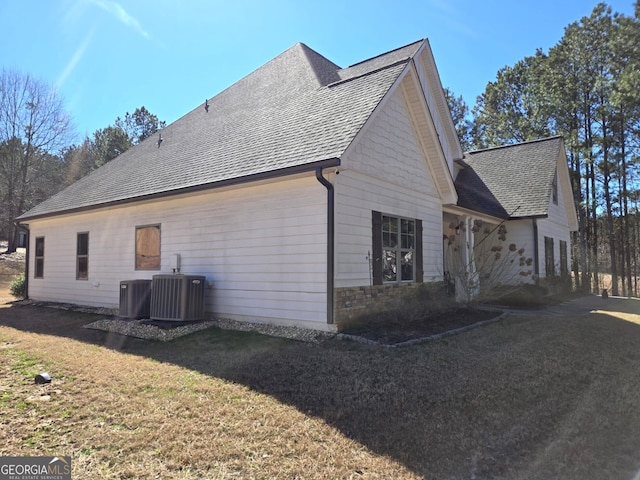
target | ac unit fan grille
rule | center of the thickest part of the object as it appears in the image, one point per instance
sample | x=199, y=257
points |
x=177, y=297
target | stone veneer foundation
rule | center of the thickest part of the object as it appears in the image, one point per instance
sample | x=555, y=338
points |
x=352, y=303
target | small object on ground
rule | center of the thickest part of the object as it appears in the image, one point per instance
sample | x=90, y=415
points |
x=43, y=377
x=605, y=293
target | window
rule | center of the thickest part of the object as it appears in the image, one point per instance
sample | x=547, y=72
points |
x=39, y=257
x=554, y=189
x=564, y=269
x=82, y=257
x=397, y=249
x=549, y=260
x=148, y=247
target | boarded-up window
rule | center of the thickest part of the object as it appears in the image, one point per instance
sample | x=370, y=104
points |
x=39, y=258
x=82, y=257
x=148, y=247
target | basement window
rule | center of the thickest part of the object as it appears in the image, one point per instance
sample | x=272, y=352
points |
x=39, y=258
x=148, y=247
x=82, y=257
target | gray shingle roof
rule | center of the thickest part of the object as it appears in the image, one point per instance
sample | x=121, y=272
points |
x=295, y=111
x=510, y=181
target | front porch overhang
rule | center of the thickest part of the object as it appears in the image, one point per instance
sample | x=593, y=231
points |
x=466, y=212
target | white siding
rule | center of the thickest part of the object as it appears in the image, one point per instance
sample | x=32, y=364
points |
x=520, y=233
x=263, y=247
x=387, y=172
x=555, y=226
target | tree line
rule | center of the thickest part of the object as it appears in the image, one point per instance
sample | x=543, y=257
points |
x=38, y=157
x=587, y=89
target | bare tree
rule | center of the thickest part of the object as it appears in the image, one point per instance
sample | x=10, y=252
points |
x=34, y=127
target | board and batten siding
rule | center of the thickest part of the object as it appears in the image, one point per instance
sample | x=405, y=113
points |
x=385, y=171
x=261, y=247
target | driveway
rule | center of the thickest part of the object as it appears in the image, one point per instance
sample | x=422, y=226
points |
x=585, y=305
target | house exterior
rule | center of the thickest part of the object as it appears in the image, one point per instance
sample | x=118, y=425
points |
x=305, y=193
x=523, y=189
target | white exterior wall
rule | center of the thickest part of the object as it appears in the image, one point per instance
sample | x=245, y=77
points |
x=556, y=227
x=387, y=172
x=520, y=233
x=262, y=246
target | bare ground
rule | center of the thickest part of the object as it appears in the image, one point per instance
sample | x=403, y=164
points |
x=552, y=394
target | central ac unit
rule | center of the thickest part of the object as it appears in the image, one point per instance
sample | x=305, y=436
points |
x=135, y=296
x=177, y=298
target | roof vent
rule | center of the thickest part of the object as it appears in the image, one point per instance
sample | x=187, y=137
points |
x=206, y=105
x=159, y=139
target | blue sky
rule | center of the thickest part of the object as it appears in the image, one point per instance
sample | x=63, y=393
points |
x=108, y=57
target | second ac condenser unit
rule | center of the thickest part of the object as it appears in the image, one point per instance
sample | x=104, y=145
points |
x=135, y=298
x=177, y=298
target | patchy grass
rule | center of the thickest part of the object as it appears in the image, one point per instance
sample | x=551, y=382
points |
x=122, y=415
x=523, y=398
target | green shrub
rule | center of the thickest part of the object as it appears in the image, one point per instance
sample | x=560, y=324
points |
x=17, y=287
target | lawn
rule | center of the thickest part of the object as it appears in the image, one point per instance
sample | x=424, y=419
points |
x=526, y=397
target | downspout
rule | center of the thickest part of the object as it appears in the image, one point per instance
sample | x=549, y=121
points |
x=330, y=243
x=536, y=253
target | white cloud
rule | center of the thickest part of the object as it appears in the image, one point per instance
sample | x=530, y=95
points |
x=121, y=14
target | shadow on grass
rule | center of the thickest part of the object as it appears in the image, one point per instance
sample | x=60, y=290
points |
x=486, y=404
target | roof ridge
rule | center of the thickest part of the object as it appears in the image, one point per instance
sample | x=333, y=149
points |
x=324, y=69
x=370, y=72
x=386, y=53
x=509, y=145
